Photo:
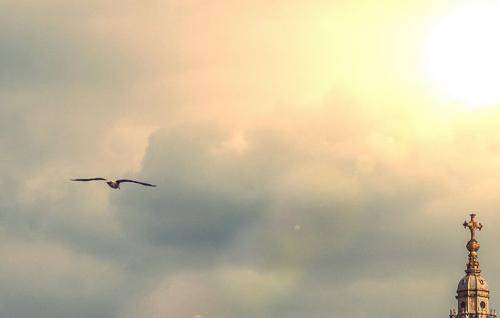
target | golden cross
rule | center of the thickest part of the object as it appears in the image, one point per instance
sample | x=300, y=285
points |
x=473, y=225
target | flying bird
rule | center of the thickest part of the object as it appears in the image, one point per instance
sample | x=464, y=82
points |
x=115, y=184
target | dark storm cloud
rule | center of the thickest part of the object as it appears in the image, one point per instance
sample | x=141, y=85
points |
x=208, y=190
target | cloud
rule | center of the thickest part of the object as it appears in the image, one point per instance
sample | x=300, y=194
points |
x=214, y=182
x=55, y=278
x=355, y=208
x=297, y=178
x=53, y=269
x=208, y=294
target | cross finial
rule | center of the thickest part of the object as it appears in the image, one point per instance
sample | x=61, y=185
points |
x=473, y=225
x=473, y=245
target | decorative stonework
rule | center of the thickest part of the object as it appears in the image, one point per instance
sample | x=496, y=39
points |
x=473, y=293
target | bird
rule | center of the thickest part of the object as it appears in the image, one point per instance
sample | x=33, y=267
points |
x=115, y=184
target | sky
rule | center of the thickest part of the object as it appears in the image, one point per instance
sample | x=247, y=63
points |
x=313, y=158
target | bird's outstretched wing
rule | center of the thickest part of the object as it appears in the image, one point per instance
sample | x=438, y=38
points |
x=90, y=179
x=143, y=183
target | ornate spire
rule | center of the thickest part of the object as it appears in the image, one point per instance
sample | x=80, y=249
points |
x=473, y=293
x=473, y=245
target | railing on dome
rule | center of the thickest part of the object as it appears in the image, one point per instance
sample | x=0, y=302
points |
x=491, y=314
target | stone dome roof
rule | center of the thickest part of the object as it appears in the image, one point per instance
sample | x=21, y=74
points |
x=473, y=281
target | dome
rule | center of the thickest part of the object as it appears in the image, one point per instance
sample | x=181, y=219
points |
x=473, y=282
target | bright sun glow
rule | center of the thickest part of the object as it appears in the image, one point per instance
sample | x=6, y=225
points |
x=463, y=54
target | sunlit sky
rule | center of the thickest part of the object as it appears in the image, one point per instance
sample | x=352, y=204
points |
x=313, y=158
